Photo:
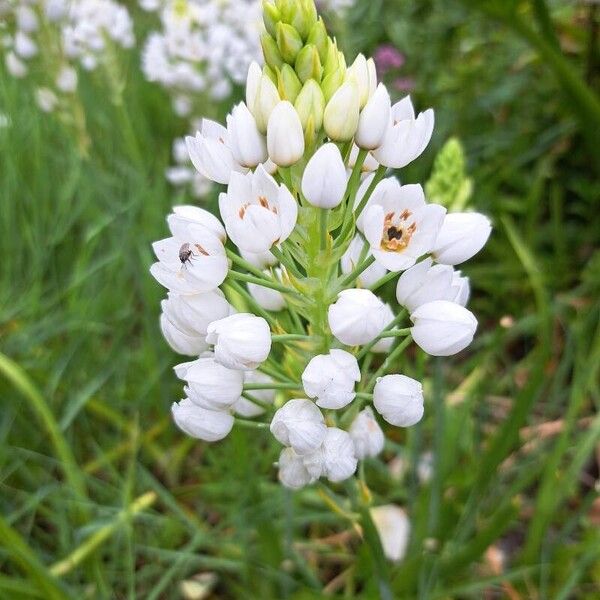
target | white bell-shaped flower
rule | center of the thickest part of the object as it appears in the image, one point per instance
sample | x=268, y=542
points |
x=324, y=180
x=426, y=282
x=374, y=120
x=335, y=458
x=354, y=255
x=330, y=378
x=299, y=424
x=268, y=298
x=407, y=137
x=181, y=341
x=399, y=400
x=285, y=137
x=340, y=119
x=241, y=341
x=393, y=526
x=257, y=212
x=210, y=384
x=461, y=236
x=292, y=472
x=367, y=436
x=247, y=408
x=357, y=317
x=247, y=145
x=201, y=423
x=443, y=328
x=401, y=227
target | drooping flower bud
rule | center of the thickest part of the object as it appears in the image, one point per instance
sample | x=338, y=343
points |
x=335, y=459
x=299, y=424
x=399, y=400
x=267, y=298
x=182, y=342
x=201, y=423
x=366, y=435
x=324, y=180
x=292, y=472
x=285, y=138
x=393, y=527
x=461, y=237
x=342, y=113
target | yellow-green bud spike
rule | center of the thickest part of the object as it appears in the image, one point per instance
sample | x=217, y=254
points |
x=289, y=42
x=304, y=17
x=288, y=84
x=270, y=73
x=308, y=64
x=286, y=9
x=271, y=51
x=318, y=37
x=310, y=105
x=271, y=16
x=332, y=82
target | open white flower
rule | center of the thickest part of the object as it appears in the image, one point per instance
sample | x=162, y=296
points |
x=393, y=527
x=247, y=145
x=324, y=179
x=335, y=459
x=186, y=217
x=443, y=328
x=461, y=236
x=292, y=472
x=357, y=251
x=241, y=341
x=299, y=424
x=400, y=226
x=357, y=317
x=399, y=400
x=202, y=423
x=426, y=282
x=407, y=137
x=247, y=408
x=366, y=435
x=330, y=378
x=257, y=212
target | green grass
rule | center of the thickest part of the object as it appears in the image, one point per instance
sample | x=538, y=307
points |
x=100, y=495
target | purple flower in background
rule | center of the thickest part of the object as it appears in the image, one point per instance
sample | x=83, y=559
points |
x=388, y=57
x=404, y=84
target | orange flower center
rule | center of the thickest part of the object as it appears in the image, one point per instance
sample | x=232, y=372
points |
x=397, y=231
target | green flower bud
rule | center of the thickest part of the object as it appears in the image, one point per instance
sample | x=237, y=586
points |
x=271, y=16
x=308, y=64
x=289, y=42
x=265, y=100
x=286, y=9
x=270, y=73
x=334, y=61
x=310, y=106
x=342, y=112
x=288, y=84
x=318, y=37
x=270, y=51
x=304, y=17
x=332, y=83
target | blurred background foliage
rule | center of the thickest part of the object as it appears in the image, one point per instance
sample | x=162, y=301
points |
x=102, y=498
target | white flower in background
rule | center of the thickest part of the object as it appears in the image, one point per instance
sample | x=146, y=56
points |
x=366, y=435
x=66, y=80
x=268, y=298
x=193, y=260
x=181, y=341
x=14, y=65
x=25, y=47
x=342, y=112
x=242, y=341
x=374, y=120
x=354, y=255
x=330, y=378
x=292, y=472
x=426, y=282
x=324, y=180
x=46, y=99
x=461, y=237
x=357, y=317
x=299, y=424
x=443, y=328
x=285, y=138
x=257, y=212
x=393, y=526
x=55, y=9
x=335, y=459
x=210, y=384
x=247, y=144
x=400, y=226
x=407, y=137
x=399, y=400
x=184, y=174
x=201, y=423
x=247, y=408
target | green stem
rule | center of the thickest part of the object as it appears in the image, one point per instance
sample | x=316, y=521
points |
x=256, y=308
x=397, y=319
x=379, y=175
x=323, y=216
x=286, y=261
x=351, y=189
x=271, y=386
x=251, y=424
x=292, y=337
x=388, y=361
x=355, y=274
x=264, y=405
x=381, y=282
x=263, y=281
x=394, y=333
x=242, y=262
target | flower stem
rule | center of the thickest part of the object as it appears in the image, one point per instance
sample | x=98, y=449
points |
x=355, y=274
x=286, y=261
x=381, y=282
x=366, y=349
x=256, y=308
x=263, y=281
x=389, y=361
x=236, y=259
x=272, y=386
x=323, y=216
x=251, y=424
x=394, y=333
x=292, y=337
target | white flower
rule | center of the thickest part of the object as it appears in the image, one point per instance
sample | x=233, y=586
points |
x=247, y=408
x=201, y=423
x=374, y=120
x=245, y=140
x=268, y=298
x=357, y=317
x=55, y=9
x=354, y=255
x=260, y=260
x=27, y=20
x=241, y=341
x=182, y=342
x=257, y=212
x=369, y=165
x=340, y=119
x=426, y=282
x=363, y=73
x=461, y=237
x=330, y=378
x=193, y=260
x=335, y=459
x=324, y=180
x=46, y=99
x=186, y=216
x=400, y=226
x=366, y=435
x=285, y=138
x=292, y=472
x=393, y=527
x=299, y=424
x=210, y=152
x=66, y=80
x=15, y=66
x=25, y=47
x=407, y=138
x=399, y=400
x=210, y=384
x=443, y=328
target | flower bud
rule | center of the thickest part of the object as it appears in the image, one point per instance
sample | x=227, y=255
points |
x=245, y=141
x=292, y=472
x=319, y=38
x=182, y=342
x=66, y=80
x=352, y=258
x=201, y=423
x=363, y=73
x=424, y=283
x=15, y=66
x=310, y=105
x=252, y=82
x=334, y=72
x=289, y=42
x=308, y=64
x=271, y=16
x=330, y=378
x=324, y=180
x=266, y=99
x=357, y=317
x=299, y=424
x=393, y=528
x=210, y=384
x=374, y=120
x=241, y=341
x=461, y=237
x=267, y=298
x=247, y=408
x=366, y=435
x=304, y=17
x=288, y=84
x=399, y=400
x=338, y=459
x=271, y=51
x=285, y=138
x=342, y=113
x=443, y=328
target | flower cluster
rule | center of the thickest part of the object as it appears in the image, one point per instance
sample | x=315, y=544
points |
x=288, y=330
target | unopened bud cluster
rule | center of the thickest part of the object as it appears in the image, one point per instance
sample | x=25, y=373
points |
x=277, y=302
